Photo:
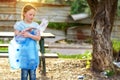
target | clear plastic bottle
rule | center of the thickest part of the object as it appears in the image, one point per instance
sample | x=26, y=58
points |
x=43, y=25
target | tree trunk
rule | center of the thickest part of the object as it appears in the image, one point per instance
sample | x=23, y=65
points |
x=103, y=12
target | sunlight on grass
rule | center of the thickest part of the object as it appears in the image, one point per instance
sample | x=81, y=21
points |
x=86, y=55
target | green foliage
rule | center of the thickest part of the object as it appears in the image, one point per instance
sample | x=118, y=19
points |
x=3, y=49
x=118, y=9
x=79, y=6
x=86, y=55
x=88, y=64
x=116, y=45
x=1, y=41
x=109, y=73
x=61, y=26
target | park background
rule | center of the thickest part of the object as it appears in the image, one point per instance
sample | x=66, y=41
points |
x=69, y=31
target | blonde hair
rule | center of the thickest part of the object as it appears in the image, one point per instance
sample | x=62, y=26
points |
x=26, y=8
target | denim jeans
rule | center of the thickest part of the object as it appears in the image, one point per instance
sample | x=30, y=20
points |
x=28, y=72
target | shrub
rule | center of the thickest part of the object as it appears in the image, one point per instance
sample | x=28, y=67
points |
x=116, y=45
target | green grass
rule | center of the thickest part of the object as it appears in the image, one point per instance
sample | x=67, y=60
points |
x=86, y=55
x=3, y=49
x=1, y=41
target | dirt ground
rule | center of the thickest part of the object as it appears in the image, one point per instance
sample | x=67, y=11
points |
x=56, y=69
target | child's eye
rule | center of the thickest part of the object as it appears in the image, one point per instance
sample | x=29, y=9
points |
x=32, y=15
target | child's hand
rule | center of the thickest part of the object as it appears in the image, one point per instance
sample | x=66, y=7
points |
x=26, y=34
x=28, y=29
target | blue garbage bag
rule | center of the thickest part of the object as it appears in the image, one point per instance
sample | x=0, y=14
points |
x=29, y=55
x=25, y=53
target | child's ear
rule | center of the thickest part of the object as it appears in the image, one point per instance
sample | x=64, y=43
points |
x=23, y=15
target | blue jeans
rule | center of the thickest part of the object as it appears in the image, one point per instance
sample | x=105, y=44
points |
x=26, y=72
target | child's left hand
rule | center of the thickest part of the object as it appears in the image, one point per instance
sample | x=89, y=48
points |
x=28, y=29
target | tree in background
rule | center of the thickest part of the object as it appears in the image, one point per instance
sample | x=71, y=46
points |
x=118, y=9
x=103, y=13
x=79, y=6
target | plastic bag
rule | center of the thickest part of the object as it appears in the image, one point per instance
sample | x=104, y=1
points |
x=43, y=25
x=23, y=53
x=29, y=58
x=13, y=51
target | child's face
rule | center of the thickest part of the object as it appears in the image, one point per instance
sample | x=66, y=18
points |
x=29, y=15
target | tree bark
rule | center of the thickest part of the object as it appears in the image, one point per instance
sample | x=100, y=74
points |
x=103, y=12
